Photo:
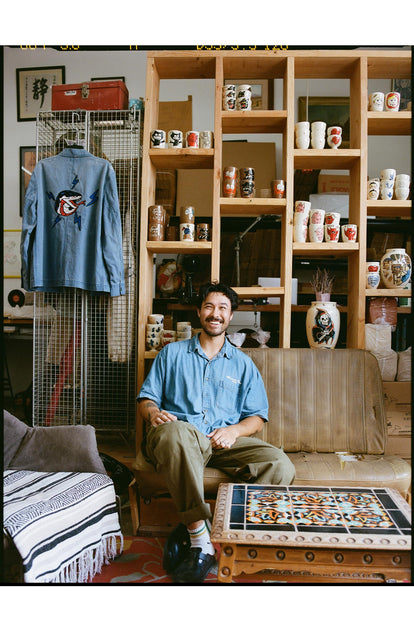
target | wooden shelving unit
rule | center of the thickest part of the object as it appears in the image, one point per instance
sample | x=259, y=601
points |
x=358, y=67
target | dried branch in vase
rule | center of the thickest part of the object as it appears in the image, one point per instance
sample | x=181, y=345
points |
x=322, y=281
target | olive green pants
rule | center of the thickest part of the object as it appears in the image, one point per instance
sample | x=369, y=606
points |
x=180, y=451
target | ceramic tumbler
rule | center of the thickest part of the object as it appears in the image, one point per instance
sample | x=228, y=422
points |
x=316, y=233
x=230, y=181
x=300, y=233
x=206, y=139
x=244, y=97
x=187, y=214
x=187, y=231
x=332, y=218
x=331, y=233
x=302, y=206
x=203, y=232
x=158, y=138
x=192, y=139
x=349, y=233
x=316, y=216
x=156, y=318
x=392, y=101
x=376, y=101
x=372, y=277
x=373, y=189
x=175, y=139
x=278, y=188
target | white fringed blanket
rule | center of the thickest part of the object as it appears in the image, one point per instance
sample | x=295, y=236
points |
x=64, y=524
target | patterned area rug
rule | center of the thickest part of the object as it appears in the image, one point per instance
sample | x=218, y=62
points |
x=141, y=563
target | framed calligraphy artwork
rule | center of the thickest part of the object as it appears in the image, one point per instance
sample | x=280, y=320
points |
x=34, y=90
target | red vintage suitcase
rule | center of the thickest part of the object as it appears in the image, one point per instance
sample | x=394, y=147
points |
x=108, y=95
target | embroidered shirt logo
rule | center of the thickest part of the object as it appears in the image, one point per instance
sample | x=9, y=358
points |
x=67, y=203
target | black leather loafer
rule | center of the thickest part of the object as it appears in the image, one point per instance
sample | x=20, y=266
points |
x=194, y=568
x=176, y=548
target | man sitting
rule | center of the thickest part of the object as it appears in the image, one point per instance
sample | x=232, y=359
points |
x=202, y=400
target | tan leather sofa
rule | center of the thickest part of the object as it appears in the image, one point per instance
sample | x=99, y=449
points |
x=321, y=403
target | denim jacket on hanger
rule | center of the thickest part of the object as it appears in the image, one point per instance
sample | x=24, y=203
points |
x=71, y=230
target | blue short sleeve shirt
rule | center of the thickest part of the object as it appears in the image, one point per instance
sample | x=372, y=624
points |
x=208, y=393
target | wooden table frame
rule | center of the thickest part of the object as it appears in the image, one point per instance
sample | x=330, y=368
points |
x=310, y=557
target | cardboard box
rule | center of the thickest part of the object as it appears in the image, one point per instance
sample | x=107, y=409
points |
x=399, y=446
x=331, y=203
x=195, y=187
x=275, y=282
x=334, y=183
x=397, y=396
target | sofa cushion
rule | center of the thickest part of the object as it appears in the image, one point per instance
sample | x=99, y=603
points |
x=14, y=432
x=315, y=468
x=322, y=400
x=57, y=449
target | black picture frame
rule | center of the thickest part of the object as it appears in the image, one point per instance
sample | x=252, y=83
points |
x=108, y=79
x=27, y=161
x=34, y=89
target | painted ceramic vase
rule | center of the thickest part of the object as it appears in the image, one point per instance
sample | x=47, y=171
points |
x=322, y=324
x=396, y=268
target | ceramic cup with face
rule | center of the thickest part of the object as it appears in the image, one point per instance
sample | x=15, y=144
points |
x=192, y=139
x=332, y=218
x=331, y=233
x=373, y=189
x=175, y=139
x=316, y=233
x=392, y=101
x=349, y=233
x=158, y=138
x=316, y=216
x=376, y=101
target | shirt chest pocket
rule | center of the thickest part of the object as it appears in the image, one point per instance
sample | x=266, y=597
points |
x=227, y=395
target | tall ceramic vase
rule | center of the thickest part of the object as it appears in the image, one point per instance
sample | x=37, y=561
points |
x=396, y=268
x=322, y=324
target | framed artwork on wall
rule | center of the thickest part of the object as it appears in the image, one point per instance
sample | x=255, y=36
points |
x=334, y=111
x=108, y=79
x=402, y=86
x=26, y=167
x=11, y=253
x=34, y=90
x=262, y=92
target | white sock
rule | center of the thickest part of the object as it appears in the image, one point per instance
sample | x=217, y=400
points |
x=200, y=537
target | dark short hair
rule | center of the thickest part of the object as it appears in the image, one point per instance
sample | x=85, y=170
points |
x=217, y=287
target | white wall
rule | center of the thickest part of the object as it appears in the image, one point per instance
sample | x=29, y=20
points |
x=81, y=66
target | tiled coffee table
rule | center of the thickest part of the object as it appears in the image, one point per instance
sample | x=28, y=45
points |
x=312, y=534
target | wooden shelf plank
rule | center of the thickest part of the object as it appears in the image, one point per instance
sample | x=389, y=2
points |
x=178, y=247
x=389, y=209
x=182, y=158
x=388, y=293
x=389, y=123
x=338, y=250
x=252, y=206
x=325, y=159
x=254, y=121
x=259, y=292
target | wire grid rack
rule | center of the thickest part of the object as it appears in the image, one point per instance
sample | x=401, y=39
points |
x=84, y=368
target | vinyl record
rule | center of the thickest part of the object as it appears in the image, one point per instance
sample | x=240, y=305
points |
x=16, y=297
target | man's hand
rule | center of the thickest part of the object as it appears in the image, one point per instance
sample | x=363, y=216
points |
x=151, y=413
x=223, y=437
